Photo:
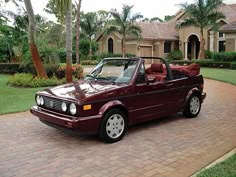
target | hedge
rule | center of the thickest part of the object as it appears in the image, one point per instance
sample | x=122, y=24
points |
x=12, y=68
x=224, y=56
x=204, y=63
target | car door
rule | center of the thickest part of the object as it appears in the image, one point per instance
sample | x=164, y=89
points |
x=151, y=99
x=176, y=92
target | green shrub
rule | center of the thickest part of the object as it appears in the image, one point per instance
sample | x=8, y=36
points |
x=28, y=80
x=175, y=55
x=111, y=55
x=208, y=54
x=51, y=69
x=224, y=56
x=20, y=80
x=89, y=62
x=233, y=65
x=85, y=45
x=62, y=55
x=9, y=68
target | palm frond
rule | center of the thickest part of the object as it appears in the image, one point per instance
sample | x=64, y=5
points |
x=116, y=16
x=62, y=7
x=135, y=17
x=112, y=28
x=126, y=11
x=203, y=13
x=186, y=23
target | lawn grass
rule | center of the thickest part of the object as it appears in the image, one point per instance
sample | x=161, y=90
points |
x=227, y=168
x=224, y=75
x=15, y=99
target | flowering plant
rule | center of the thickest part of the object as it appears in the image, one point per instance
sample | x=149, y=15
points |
x=77, y=71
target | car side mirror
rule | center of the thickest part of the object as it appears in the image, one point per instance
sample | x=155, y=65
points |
x=141, y=78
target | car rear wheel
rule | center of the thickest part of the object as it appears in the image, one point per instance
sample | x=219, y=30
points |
x=193, y=106
x=113, y=126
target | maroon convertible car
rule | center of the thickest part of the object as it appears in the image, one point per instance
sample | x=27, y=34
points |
x=121, y=92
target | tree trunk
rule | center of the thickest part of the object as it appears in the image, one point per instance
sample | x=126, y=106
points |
x=90, y=49
x=41, y=73
x=69, y=44
x=202, y=48
x=78, y=31
x=123, y=46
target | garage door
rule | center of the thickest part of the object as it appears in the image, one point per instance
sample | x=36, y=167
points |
x=146, y=51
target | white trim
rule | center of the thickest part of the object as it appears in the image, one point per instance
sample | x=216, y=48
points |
x=220, y=39
x=186, y=50
x=187, y=39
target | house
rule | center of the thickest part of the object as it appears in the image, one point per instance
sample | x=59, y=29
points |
x=160, y=38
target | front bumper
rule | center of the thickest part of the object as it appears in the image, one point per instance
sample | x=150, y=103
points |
x=88, y=125
x=203, y=96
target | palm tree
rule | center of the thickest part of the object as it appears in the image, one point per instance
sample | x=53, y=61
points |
x=64, y=8
x=32, y=41
x=90, y=25
x=124, y=24
x=202, y=14
x=78, y=30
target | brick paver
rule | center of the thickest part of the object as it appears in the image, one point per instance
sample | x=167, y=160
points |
x=170, y=147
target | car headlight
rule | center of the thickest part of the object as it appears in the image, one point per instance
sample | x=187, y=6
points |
x=63, y=106
x=73, y=109
x=38, y=100
x=41, y=100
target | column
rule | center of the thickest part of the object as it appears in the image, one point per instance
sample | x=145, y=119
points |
x=212, y=41
x=186, y=50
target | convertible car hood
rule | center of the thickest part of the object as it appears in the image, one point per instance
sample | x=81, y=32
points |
x=80, y=90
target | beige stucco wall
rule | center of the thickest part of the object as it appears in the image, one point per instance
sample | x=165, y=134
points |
x=103, y=43
x=131, y=47
x=230, y=45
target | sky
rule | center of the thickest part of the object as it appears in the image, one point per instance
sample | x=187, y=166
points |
x=148, y=8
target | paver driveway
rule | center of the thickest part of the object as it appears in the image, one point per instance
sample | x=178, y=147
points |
x=174, y=146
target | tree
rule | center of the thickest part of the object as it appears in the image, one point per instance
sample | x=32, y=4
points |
x=154, y=19
x=203, y=14
x=90, y=25
x=41, y=72
x=64, y=8
x=78, y=31
x=124, y=24
x=168, y=17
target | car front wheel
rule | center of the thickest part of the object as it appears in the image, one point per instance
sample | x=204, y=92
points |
x=193, y=106
x=113, y=126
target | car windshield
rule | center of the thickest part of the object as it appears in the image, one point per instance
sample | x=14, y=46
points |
x=113, y=70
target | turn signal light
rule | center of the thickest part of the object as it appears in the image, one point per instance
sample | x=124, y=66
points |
x=87, y=107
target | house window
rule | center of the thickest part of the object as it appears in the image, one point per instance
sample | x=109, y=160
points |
x=221, y=46
x=221, y=35
x=167, y=47
x=110, y=45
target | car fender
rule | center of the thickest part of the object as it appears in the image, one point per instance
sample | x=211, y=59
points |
x=191, y=91
x=114, y=103
x=109, y=105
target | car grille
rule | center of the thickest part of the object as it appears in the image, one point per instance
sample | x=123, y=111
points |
x=52, y=104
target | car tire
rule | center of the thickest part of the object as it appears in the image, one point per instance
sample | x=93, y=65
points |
x=193, y=106
x=113, y=126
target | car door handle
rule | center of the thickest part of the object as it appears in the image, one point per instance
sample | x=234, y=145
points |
x=169, y=85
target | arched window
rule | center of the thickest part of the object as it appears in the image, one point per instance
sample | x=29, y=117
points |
x=110, y=45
